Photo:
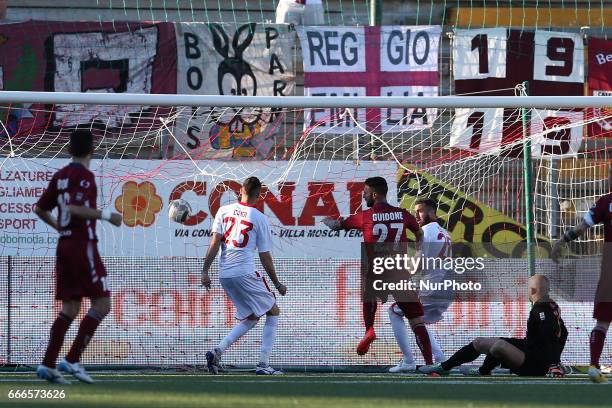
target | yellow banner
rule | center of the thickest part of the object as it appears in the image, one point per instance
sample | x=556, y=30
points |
x=468, y=220
x=475, y=17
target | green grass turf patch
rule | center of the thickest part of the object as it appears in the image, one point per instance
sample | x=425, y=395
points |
x=378, y=391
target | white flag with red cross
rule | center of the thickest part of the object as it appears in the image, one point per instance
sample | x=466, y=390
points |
x=370, y=61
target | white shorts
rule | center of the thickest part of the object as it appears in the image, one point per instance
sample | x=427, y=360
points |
x=433, y=311
x=250, y=295
x=435, y=302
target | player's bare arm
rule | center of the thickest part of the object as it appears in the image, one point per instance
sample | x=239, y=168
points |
x=268, y=264
x=334, y=224
x=46, y=216
x=211, y=254
x=93, y=214
x=419, y=237
x=570, y=235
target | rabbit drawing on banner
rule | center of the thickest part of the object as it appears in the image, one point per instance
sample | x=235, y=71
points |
x=235, y=127
x=234, y=75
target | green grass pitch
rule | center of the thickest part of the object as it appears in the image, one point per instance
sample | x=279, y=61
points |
x=312, y=390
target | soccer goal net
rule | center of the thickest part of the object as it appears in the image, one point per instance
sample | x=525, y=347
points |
x=312, y=155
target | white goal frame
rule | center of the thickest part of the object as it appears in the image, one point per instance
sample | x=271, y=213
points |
x=297, y=102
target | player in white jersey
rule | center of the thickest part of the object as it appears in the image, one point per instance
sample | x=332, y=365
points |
x=241, y=230
x=435, y=248
x=300, y=12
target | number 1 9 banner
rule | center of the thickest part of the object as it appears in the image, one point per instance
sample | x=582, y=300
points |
x=493, y=61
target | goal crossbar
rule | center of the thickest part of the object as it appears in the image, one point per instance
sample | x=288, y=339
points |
x=297, y=102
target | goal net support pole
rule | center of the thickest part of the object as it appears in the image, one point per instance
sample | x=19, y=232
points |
x=527, y=166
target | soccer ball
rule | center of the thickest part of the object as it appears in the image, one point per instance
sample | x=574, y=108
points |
x=179, y=210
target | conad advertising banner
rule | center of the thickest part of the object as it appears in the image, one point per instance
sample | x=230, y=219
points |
x=296, y=197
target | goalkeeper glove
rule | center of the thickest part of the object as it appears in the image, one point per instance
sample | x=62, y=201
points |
x=556, y=371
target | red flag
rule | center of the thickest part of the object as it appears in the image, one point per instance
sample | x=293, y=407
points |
x=600, y=83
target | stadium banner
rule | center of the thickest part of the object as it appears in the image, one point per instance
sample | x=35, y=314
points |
x=230, y=59
x=467, y=219
x=296, y=197
x=84, y=57
x=600, y=82
x=370, y=61
x=552, y=63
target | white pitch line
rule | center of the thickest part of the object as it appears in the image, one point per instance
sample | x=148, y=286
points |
x=348, y=382
x=404, y=380
x=412, y=381
x=97, y=380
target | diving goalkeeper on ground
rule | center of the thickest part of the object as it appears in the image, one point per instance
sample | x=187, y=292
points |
x=533, y=355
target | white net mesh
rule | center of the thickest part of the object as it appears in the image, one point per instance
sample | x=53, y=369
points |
x=474, y=152
x=313, y=163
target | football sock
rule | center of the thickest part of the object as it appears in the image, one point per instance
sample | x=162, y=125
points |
x=268, y=338
x=596, y=344
x=56, y=340
x=87, y=328
x=422, y=339
x=401, y=335
x=436, y=350
x=369, y=314
x=237, y=332
x=488, y=365
x=463, y=355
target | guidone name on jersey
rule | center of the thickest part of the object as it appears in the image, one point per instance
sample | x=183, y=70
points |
x=390, y=216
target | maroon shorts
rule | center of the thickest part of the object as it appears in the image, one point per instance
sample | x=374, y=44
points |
x=603, y=311
x=603, y=296
x=409, y=310
x=79, y=271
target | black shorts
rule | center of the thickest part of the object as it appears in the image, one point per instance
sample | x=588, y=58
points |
x=533, y=366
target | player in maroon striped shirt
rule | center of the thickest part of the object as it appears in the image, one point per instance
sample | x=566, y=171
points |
x=600, y=213
x=79, y=269
x=383, y=222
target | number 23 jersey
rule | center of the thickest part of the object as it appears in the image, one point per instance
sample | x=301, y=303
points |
x=245, y=229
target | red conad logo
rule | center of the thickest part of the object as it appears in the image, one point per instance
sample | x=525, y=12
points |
x=320, y=201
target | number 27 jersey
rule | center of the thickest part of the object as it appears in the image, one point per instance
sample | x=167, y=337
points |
x=245, y=230
x=382, y=223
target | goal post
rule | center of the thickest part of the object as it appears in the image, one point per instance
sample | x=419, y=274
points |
x=312, y=155
x=295, y=102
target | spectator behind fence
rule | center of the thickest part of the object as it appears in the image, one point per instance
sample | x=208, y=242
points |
x=300, y=12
